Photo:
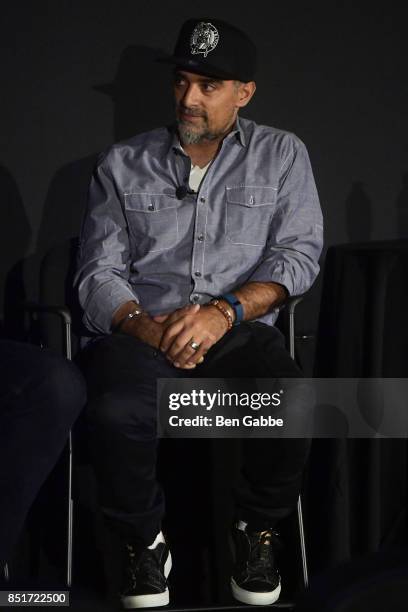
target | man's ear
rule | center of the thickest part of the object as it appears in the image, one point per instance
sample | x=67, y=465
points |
x=245, y=93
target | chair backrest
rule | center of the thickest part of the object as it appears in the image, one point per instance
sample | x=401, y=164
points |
x=56, y=288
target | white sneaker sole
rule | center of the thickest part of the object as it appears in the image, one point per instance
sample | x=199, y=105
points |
x=255, y=599
x=152, y=600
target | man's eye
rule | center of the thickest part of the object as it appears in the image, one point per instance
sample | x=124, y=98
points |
x=208, y=86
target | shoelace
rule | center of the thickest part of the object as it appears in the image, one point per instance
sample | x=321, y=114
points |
x=261, y=557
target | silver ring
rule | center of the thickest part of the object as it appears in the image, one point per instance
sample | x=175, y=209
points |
x=194, y=345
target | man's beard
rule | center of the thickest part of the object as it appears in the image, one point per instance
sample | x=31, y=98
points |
x=187, y=136
x=198, y=135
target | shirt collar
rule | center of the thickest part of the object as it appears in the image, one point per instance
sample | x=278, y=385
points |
x=238, y=131
x=175, y=140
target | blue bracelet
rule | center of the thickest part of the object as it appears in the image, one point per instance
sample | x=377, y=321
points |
x=236, y=305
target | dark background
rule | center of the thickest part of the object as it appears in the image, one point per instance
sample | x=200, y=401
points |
x=334, y=74
x=78, y=76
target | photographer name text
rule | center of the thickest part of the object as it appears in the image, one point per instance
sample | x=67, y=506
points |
x=221, y=421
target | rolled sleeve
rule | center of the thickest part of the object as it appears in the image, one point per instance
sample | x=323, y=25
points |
x=102, y=277
x=295, y=237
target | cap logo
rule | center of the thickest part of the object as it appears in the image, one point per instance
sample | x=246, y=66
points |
x=204, y=38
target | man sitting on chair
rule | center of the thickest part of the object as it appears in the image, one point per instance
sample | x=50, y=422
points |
x=193, y=238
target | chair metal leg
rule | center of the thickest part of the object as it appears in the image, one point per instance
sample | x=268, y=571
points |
x=6, y=572
x=302, y=543
x=292, y=305
x=70, y=514
x=68, y=352
x=65, y=316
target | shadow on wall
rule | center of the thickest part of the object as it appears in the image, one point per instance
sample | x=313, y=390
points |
x=401, y=204
x=141, y=92
x=64, y=204
x=15, y=234
x=141, y=95
x=358, y=214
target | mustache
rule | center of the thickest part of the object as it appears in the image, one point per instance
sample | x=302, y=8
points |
x=191, y=111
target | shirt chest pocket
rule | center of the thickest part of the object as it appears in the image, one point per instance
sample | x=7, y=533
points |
x=152, y=221
x=248, y=214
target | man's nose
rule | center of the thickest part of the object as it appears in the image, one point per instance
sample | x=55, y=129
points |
x=191, y=96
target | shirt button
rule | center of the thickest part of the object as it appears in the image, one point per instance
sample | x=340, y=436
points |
x=197, y=273
x=200, y=237
x=195, y=298
x=202, y=200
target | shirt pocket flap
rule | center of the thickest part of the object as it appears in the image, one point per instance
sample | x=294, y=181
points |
x=149, y=202
x=251, y=196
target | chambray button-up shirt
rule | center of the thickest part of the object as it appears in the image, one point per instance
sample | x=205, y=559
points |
x=256, y=217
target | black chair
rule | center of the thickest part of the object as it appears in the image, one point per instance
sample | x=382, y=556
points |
x=57, y=318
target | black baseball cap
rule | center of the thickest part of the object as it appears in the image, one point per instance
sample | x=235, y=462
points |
x=214, y=48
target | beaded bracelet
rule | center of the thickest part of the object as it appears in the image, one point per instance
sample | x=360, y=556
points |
x=223, y=310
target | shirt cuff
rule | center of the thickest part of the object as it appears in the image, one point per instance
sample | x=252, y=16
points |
x=269, y=272
x=103, y=303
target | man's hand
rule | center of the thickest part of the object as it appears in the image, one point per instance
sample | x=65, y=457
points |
x=204, y=326
x=172, y=332
x=171, y=317
x=145, y=329
x=150, y=329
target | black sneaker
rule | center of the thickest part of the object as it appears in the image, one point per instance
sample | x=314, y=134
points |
x=255, y=579
x=145, y=576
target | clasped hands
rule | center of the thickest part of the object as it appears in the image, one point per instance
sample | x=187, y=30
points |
x=203, y=325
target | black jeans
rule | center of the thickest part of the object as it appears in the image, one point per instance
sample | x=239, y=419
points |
x=41, y=395
x=121, y=373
